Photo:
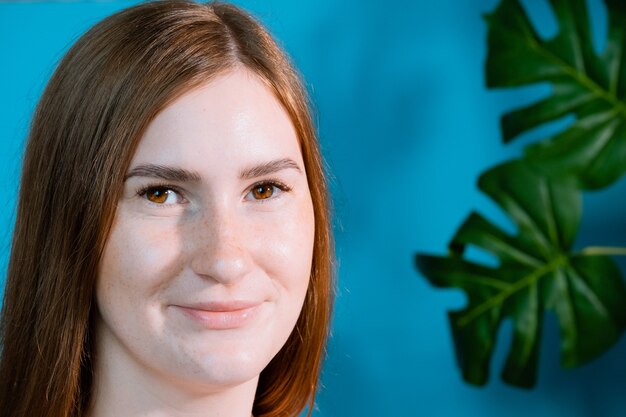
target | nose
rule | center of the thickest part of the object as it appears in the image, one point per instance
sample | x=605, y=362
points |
x=220, y=252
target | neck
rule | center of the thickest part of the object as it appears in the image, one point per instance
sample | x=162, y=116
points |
x=122, y=387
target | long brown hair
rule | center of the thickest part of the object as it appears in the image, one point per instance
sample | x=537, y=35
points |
x=99, y=101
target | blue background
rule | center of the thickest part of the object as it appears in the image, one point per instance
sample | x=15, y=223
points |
x=406, y=126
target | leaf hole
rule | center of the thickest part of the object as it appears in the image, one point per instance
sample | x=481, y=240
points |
x=542, y=18
x=604, y=223
x=481, y=257
x=550, y=355
x=502, y=345
x=454, y=299
x=525, y=94
x=499, y=217
x=598, y=20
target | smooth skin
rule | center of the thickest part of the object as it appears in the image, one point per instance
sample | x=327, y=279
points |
x=208, y=261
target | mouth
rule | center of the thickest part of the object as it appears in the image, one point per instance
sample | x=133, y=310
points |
x=221, y=315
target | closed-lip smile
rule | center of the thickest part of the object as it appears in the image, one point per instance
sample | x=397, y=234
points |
x=220, y=315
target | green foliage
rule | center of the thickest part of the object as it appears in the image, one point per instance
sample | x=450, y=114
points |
x=591, y=87
x=538, y=269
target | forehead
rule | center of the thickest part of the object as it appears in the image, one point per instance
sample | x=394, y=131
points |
x=233, y=118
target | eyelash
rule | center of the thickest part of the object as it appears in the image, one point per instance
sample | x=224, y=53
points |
x=142, y=192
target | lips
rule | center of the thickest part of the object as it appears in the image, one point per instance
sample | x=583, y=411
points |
x=221, y=315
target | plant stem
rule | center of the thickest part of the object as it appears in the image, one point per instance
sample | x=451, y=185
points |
x=500, y=297
x=582, y=78
x=603, y=251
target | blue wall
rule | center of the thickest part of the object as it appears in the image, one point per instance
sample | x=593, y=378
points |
x=406, y=126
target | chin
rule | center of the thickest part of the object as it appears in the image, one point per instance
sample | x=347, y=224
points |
x=231, y=369
x=215, y=365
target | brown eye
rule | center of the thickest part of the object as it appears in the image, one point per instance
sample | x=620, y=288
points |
x=266, y=190
x=160, y=195
x=263, y=191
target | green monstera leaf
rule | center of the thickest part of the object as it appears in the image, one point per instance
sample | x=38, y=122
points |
x=537, y=271
x=590, y=86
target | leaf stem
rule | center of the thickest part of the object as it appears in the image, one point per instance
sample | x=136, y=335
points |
x=500, y=297
x=603, y=251
x=582, y=78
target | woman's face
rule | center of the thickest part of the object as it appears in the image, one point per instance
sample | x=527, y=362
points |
x=208, y=260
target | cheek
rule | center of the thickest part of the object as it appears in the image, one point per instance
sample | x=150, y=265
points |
x=139, y=258
x=286, y=247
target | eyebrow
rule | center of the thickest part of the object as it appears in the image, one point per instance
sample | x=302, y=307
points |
x=168, y=173
x=269, y=168
x=164, y=172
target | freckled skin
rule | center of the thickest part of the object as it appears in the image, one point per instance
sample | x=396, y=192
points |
x=211, y=241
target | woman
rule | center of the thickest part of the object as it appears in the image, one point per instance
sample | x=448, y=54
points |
x=172, y=249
